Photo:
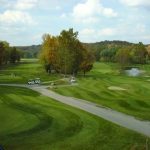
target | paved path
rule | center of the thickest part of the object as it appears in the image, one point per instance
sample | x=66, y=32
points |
x=121, y=119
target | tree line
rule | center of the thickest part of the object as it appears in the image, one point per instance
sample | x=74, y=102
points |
x=65, y=53
x=29, y=51
x=123, y=54
x=103, y=45
x=8, y=54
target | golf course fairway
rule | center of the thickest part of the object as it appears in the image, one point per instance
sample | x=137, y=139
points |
x=34, y=122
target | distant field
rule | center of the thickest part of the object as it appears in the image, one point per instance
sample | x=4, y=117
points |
x=22, y=72
x=134, y=100
x=29, y=121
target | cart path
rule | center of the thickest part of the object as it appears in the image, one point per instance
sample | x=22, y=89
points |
x=116, y=117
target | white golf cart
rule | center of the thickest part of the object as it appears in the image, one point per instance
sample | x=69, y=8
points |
x=72, y=80
x=35, y=81
x=30, y=81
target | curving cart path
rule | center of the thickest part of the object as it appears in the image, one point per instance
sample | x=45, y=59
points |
x=116, y=117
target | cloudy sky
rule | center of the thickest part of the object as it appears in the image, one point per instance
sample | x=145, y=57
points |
x=23, y=22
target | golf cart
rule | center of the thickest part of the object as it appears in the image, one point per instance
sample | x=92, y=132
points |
x=30, y=81
x=37, y=81
x=34, y=81
x=72, y=80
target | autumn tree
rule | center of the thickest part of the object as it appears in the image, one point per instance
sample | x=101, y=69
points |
x=49, y=51
x=87, y=62
x=63, y=53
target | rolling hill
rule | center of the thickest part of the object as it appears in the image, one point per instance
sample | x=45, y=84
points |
x=32, y=51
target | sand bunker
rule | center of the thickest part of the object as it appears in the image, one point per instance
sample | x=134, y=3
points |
x=116, y=88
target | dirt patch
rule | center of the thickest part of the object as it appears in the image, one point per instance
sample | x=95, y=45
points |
x=116, y=88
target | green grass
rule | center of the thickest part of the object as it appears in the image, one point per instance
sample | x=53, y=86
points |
x=94, y=87
x=23, y=71
x=29, y=121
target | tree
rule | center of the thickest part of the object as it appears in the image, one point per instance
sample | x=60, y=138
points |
x=49, y=52
x=14, y=55
x=63, y=53
x=7, y=56
x=123, y=56
x=139, y=54
x=7, y=52
x=73, y=52
x=108, y=54
x=72, y=49
x=2, y=52
x=87, y=63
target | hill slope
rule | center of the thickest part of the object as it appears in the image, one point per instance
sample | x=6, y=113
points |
x=32, y=51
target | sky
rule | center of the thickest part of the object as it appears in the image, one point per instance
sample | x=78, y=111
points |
x=23, y=22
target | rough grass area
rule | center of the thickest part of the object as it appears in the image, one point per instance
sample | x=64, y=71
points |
x=135, y=100
x=29, y=121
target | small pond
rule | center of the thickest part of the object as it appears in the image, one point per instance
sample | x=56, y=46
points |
x=134, y=72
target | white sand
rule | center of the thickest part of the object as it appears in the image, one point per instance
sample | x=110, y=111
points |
x=116, y=88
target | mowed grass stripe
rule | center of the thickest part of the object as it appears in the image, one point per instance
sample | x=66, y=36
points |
x=58, y=127
x=134, y=100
